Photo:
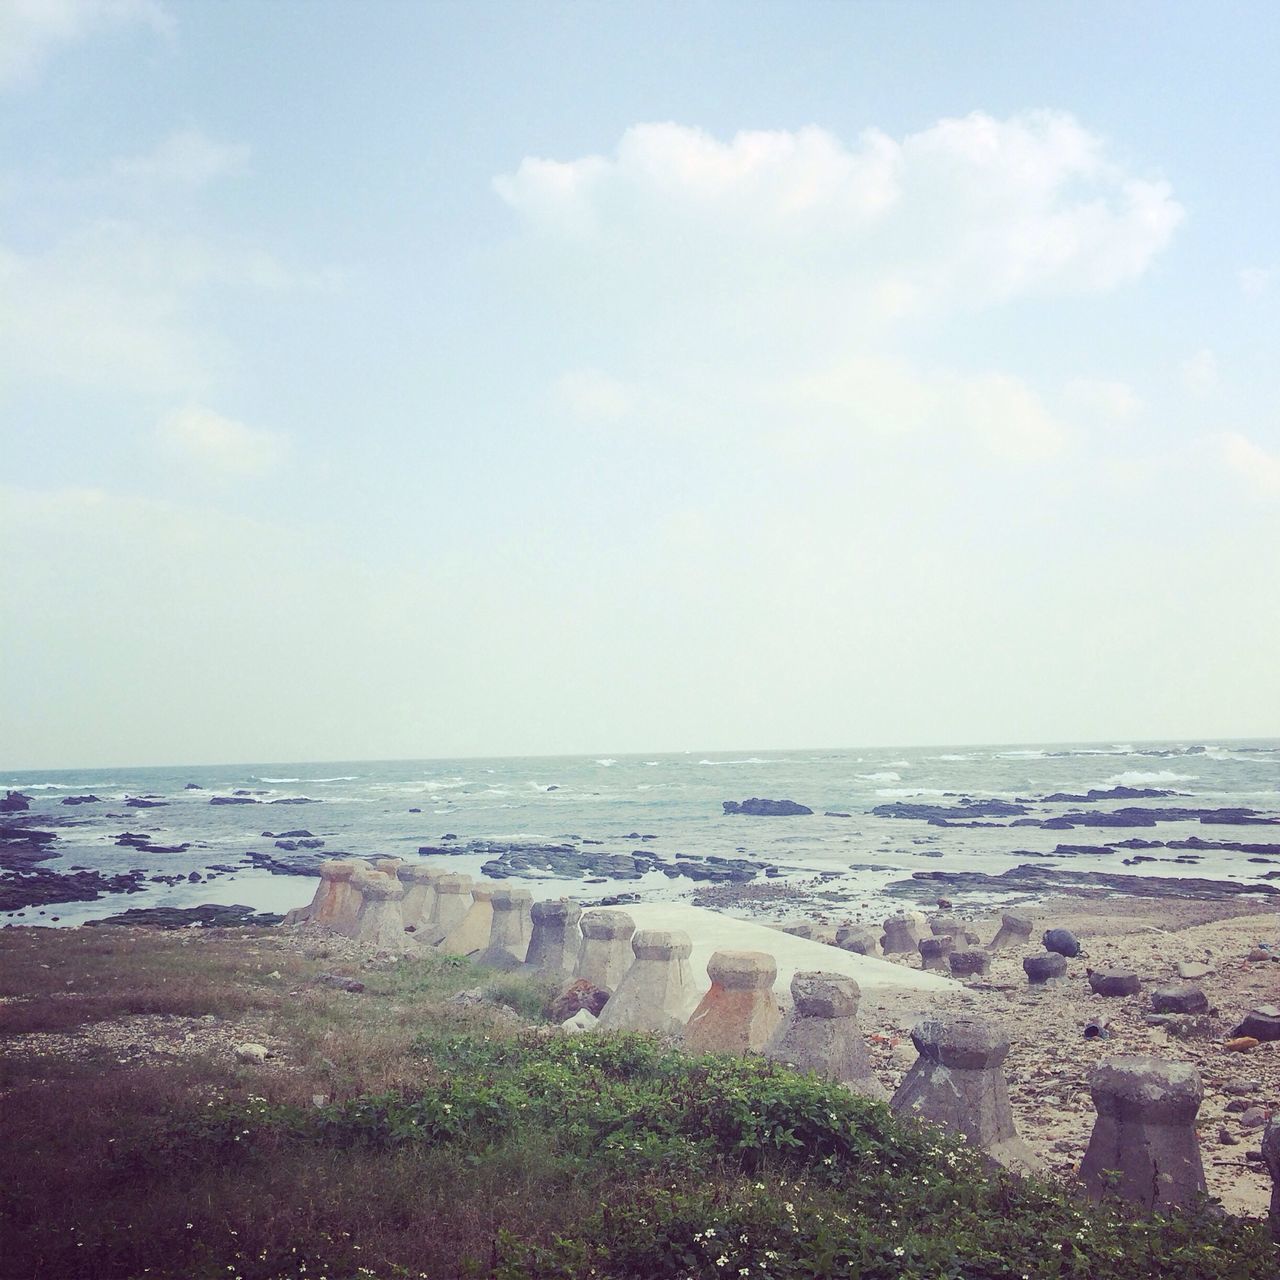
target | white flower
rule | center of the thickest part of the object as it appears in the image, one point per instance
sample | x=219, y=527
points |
x=898, y=1252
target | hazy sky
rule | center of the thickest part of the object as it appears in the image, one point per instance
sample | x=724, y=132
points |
x=396, y=380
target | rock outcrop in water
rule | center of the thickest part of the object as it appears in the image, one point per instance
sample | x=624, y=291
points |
x=757, y=807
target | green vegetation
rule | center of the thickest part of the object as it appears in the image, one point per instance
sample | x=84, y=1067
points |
x=399, y=1135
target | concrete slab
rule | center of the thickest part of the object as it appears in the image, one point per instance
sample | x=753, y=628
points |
x=713, y=931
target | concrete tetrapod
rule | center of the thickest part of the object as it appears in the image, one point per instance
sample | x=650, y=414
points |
x=509, y=935
x=902, y=934
x=419, y=893
x=957, y=1082
x=471, y=934
x=1014, y=931
x=606, y=948
x=324, y=906
x=740, y=1012
x=858, y=939
x=935, y=951
x=1143, y=1146
x=821, y=1033
x=453, y=901
x=656, y=993
x=379, y=922
x=389, y=866
x=556, y=938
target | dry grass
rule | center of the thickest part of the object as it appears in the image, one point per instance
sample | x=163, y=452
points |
x=72, y=1204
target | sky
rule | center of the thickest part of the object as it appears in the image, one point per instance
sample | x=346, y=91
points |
x=396, y=380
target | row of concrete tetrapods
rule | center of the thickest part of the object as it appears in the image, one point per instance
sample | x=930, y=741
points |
x=1143, y=1146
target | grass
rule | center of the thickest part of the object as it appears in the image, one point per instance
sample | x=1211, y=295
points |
x=401, y=1135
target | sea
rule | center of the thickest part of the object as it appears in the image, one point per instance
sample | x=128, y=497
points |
x=673, y=803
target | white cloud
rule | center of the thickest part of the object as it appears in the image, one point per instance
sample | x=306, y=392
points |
x=1258, y=468
x=187, y=157
x=594, y=396
x=226, y=447
x=971, y=211
x=32, y=30
x=1200, y=372
x=1109, y=399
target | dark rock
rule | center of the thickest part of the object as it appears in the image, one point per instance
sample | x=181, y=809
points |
x=300, y=833
x=1262, y=1023
x=295, y=800
x=193, y=786
x=137, y=802
x=81, y=800
x=581, y=994
x=1063, y=941
x=1114, y=982
x=15, y=802
x=1026, y=878
x=760, y=808
x=236, y=799
x=1179, y=997
x=1043, y=967
x=208, y=916
x=354, y=985
x=969, y=962
x=831, y=813
x=301, y=864
x=941, y=813
x=1112, y=793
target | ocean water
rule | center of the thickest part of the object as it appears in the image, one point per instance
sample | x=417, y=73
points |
x=363, y=808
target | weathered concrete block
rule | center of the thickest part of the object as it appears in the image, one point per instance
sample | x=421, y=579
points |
x=379, y=922
x=511, y=929
x=821, y=1033
x=934, y=952
x=555, y=938
x=740, y=1012
x=1063, y=941
x=1014, y=931
x=1179, y=997
x=902, y=934
x=471, y=934
x=958, y=1082
x=858, y=939
x=419, y=882
x=1271, y=1156
x=606, y=947
x=389, y=866
x=1262, y=1023
x=946, y=926
x=971, y=962
x=453, y=901
x=1044, y=968
x=657, y=992
x=331, y=903
x=1143, y=1146
x=1114, y=982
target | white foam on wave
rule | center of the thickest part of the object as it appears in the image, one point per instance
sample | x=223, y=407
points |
x=346, y=777
x=885, y=775
x=1035, y=754
x=455, y=785
x=60, y=786
x=951, y=757
x=606, y=762
x=900, y=793
x=748, y=760
x=1136, y=778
